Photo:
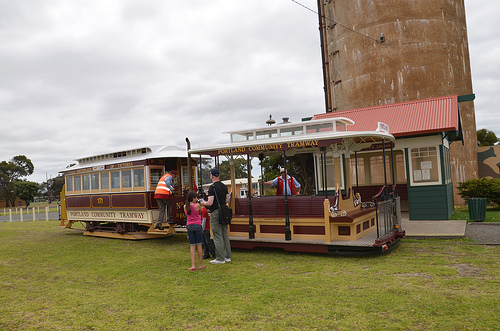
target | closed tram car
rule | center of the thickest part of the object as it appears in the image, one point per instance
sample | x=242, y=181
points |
x=113, y=194
x=335, y=219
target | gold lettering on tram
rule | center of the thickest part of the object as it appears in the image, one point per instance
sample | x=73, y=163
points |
x=306, y=143
x=268, y=147
x=121, y=165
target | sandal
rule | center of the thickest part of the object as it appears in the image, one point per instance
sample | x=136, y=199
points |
x=192, y=269
x=201, y=267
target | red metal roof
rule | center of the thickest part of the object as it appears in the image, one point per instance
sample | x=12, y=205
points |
x=406, y=118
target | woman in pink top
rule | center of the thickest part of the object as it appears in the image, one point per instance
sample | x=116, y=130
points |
x=192, y=209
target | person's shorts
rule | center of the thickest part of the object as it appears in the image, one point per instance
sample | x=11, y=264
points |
x=195, y=234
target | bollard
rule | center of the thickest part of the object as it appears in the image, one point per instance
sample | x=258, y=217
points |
x=34, y=219
x=46, y=213
x=21, y=217
x=10, y=215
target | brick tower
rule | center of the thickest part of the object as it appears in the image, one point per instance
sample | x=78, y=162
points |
x=388, y=51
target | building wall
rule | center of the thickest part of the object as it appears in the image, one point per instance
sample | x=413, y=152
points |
x=18, y=203
x=488, y=159
x=425, y=54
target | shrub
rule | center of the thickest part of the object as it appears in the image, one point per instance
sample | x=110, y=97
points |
x=488, y=188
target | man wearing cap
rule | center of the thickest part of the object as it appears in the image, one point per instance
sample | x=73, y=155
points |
x=221, y=238
x=280, y=183
x=163, y=195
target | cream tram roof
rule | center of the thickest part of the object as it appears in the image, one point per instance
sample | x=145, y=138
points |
x=295, y=138
x=135, y=154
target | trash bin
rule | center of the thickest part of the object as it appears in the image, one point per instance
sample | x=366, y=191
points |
x=477, y=209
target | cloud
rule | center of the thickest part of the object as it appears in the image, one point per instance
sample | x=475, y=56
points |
x=83, y=78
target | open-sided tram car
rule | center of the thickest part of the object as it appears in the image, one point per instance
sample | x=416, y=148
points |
x=113, y=194
x=336, y=219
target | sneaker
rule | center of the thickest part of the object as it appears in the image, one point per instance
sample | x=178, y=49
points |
x=227, y=260
x=159, y=226
x=217, y=262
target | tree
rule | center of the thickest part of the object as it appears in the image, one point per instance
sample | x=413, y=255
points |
x=52, y=188
x=486, y=137
x=240, y=169
x=206, y=166
x=26, y=190
x=11, y=172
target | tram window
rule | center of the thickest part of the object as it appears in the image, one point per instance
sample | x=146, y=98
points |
x=95, y=181
x=400, y=168
x=105, y=180
x=330, y=173
x=78, y=183
x=139, y=177
x=319, y=127
x=241, y=136
x=424, y=164
x=360, y=169
x=377, y=169
x=69, y=184
x=266, y=134
x=126, y=178
x=86, y=182
x=341, y=126
x=115, y=179
x=290, y=131
x=155, y=175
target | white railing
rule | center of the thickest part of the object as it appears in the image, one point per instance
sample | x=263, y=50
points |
x=34, y=211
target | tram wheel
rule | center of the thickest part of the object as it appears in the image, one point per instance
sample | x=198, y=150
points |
x=90, y=226
x=121, y=227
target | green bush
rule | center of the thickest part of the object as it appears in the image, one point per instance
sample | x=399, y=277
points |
x=488, y=188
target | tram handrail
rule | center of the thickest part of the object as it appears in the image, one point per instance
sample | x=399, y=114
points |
x=376, y=197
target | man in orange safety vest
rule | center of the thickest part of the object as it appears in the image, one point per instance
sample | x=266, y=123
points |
x=163, y=195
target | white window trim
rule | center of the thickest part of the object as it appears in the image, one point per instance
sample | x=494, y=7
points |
x=410, y=166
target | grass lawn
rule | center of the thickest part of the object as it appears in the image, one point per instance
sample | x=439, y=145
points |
x=462, y=213
x=55, y=279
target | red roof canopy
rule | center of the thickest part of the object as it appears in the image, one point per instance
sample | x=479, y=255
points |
x=406, y=118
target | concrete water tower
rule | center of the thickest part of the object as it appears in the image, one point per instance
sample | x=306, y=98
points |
x=387, y=51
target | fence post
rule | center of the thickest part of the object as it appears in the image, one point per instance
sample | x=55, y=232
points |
x=10, y=215
x=46, y=213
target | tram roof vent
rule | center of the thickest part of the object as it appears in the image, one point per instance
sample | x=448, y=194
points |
x=285, y=120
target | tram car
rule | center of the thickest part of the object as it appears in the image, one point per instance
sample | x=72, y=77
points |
x=335, y=218
x=113, y=194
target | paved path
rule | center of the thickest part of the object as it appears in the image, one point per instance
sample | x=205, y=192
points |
x=483, y=232
x=480, y=232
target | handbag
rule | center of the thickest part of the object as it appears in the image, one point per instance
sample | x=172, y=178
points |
x=225, y=213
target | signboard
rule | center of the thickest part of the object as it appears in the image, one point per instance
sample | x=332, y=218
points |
x=109, y=215
x=275, y=147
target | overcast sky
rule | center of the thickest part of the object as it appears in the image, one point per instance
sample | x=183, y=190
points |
x=79, y=78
